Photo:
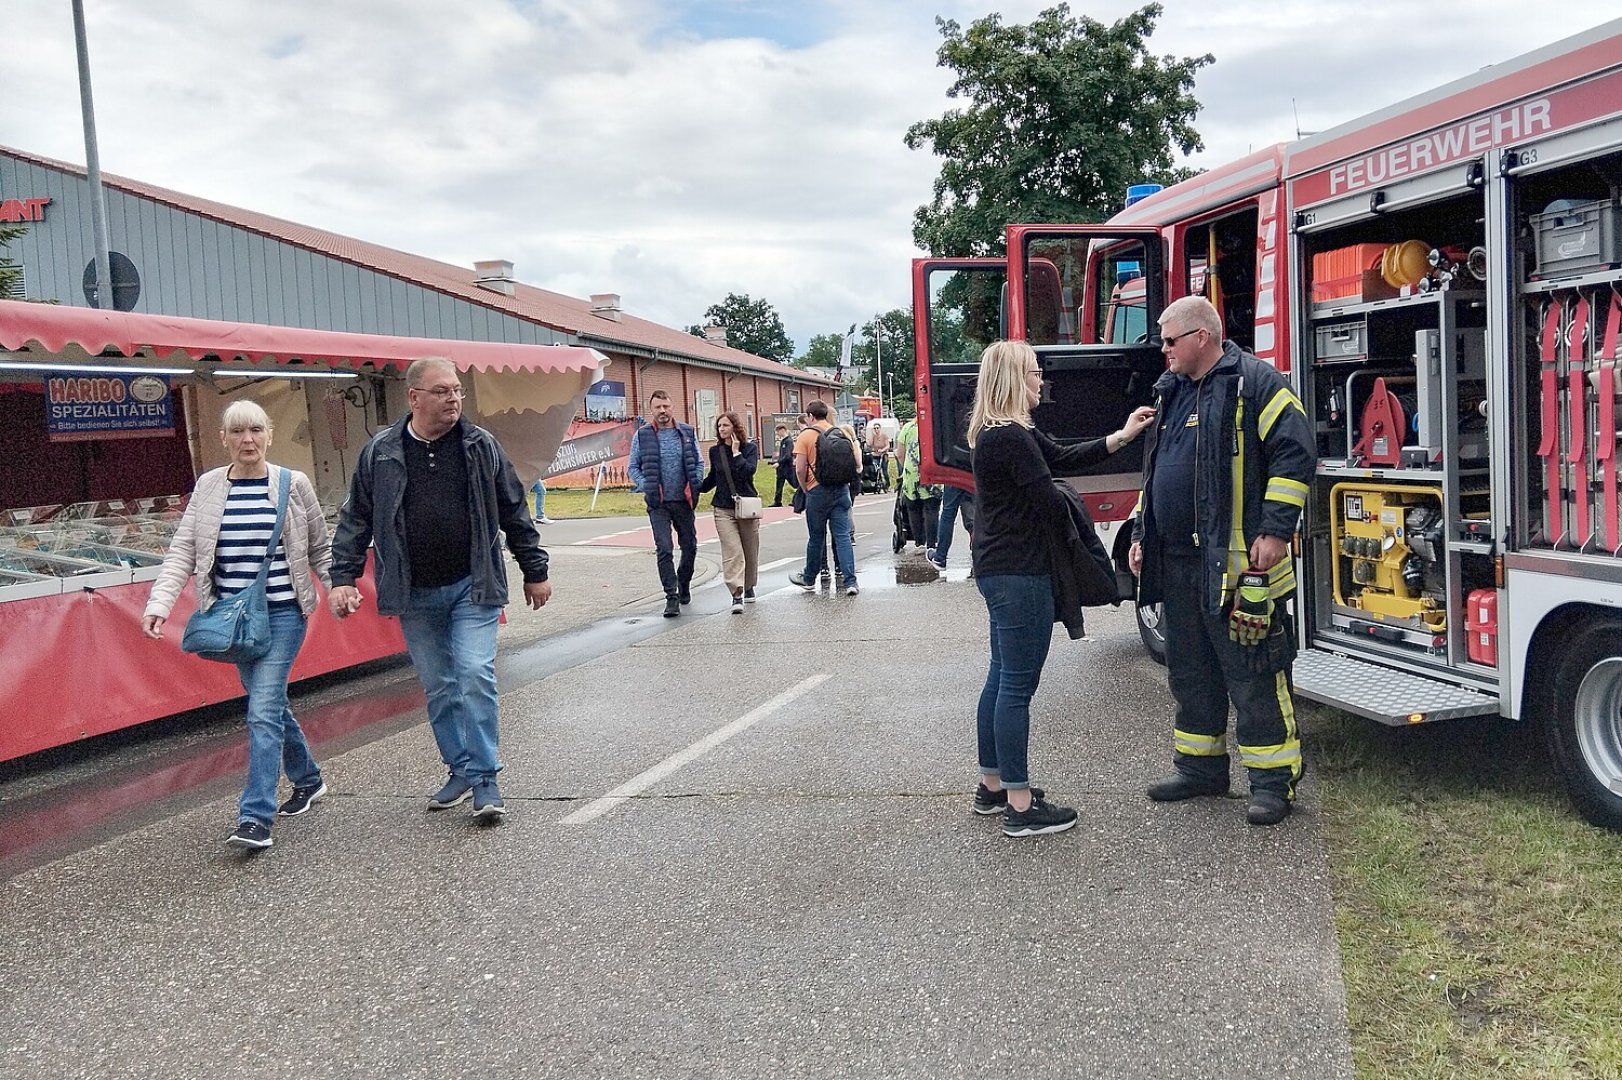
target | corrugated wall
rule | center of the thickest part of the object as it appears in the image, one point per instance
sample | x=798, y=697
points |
x=191, y=265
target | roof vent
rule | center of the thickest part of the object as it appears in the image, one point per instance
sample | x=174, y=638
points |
x=606, y=305
x=495, y=275
x=716, y=335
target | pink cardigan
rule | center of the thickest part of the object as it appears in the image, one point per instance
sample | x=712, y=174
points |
x=191, y=552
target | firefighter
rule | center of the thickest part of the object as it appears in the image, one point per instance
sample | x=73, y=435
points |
x=1225, y=476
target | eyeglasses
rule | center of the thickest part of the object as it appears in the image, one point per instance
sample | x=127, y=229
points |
x=1169, y=340
x=443, y=391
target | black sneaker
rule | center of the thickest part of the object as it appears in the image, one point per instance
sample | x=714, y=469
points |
x=686, y=595
x=672, y=607
x=988, y=802
x=1267, y=808
x=749, y=596
x=251, y=835
x=301, y=799
x=737, y=603
x=1042, y=818
x=487, y=801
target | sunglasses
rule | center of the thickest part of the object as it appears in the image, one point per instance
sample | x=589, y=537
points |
x=1170, y=340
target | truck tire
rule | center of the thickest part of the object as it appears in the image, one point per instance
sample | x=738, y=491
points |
x=1149, y=629
x=1582, y=720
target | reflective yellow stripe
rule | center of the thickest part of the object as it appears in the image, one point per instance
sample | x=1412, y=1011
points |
x=1280, y=401
x=1281, y=578
x=1270, y=757
x=1186, y=742
x=1138, y=509
x=1283, y=489
x=1238, y=550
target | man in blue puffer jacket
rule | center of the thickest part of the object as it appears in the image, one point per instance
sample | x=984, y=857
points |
x=668, y=470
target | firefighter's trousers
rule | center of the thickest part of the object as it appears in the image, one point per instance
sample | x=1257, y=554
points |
x=1205, y=670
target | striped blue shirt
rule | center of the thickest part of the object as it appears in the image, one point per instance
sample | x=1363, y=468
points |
x=245, y=528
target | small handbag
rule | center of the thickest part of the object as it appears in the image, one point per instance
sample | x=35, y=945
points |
x=235, y=629
x=745, y=507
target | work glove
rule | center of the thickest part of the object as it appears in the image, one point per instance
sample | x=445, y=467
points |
x=1252, y=614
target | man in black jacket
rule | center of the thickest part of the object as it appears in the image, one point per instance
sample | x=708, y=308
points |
x=1222, y=414
x=785, y=464
x=429, y=495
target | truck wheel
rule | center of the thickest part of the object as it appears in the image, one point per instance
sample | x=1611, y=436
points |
x=1149, y=629
x=1583, y=721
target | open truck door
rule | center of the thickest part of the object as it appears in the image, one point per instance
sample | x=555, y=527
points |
x=959, y=306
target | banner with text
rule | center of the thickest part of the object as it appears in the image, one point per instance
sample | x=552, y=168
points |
x=83, y=407
x=594, y=448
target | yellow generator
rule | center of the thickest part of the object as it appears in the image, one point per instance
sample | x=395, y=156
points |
x=1388, y=560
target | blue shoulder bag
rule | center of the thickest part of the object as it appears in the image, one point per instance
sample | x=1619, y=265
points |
x=235, y=629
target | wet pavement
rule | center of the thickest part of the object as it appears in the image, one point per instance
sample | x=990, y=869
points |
x=738, y=845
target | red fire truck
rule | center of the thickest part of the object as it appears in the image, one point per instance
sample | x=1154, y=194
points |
x=1442, y=282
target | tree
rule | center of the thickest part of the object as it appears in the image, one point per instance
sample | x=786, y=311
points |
x=11, y=275
x=894, y=354
x=751, y=325
x=1063, y=115
x=823, y=352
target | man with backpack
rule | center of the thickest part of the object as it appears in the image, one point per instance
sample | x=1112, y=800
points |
x=825, y=462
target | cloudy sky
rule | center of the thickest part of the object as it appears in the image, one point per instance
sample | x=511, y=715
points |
x=668, y=150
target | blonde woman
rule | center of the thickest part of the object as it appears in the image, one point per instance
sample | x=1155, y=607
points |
x=732, y=473
x=221, y=542
x=1016, y=503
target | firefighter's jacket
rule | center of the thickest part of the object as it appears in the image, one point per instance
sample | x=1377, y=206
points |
x=1251, y=471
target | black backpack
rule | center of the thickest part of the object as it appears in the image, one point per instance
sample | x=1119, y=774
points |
x=836, y=458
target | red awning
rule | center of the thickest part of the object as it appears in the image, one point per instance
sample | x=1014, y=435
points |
x=83, y=334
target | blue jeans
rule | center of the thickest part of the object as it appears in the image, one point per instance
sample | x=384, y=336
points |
x=452, y=642
x=539, y=491
x=275, y=741
x=951, y=502
x=829, y=506
x=680, y=516
x=1021, y=610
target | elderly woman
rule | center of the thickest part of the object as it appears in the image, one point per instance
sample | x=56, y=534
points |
x=222, y=542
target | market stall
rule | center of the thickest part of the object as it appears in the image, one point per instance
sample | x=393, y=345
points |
x=107, y=417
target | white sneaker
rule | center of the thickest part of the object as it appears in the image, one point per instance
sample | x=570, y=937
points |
x=737, y=603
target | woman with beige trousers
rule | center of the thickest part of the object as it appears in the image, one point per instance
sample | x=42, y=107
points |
x=732, y=474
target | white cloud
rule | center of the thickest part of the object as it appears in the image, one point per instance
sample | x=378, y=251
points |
x=638, y=146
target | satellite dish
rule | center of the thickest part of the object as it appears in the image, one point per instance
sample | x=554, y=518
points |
x=126, y=282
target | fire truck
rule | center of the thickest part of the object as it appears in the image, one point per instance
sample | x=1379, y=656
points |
x=1442, y=282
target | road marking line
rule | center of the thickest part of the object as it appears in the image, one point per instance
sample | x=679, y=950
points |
x=638, y=784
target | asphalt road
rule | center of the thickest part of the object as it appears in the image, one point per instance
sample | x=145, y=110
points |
x=738, y=845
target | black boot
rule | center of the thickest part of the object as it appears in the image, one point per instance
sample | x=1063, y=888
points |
x=1267, y=808
x=1181, y=786
x=672, y=607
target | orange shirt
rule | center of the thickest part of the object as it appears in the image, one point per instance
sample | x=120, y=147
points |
x=806, y=444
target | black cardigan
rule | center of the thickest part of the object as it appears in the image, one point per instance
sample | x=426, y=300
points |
x=743, y=473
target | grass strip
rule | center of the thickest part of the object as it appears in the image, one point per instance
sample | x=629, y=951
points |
x=1480, y=919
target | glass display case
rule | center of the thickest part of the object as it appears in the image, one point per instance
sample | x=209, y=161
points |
x=80, y=543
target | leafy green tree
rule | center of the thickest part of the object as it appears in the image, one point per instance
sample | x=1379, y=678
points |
x=823, y=352
x=894, y=354
x=1063, y=114
x=11, y=275
x=751, y=325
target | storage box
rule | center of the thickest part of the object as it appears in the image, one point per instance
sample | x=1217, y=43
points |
x=1341, y=341
x=1577, y=239
x=1339, y=273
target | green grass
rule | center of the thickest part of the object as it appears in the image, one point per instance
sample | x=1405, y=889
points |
x=1480, y=919
x=564, y=503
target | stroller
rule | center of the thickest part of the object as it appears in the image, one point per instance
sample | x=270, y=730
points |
x=872, y=479
x=903, y=528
